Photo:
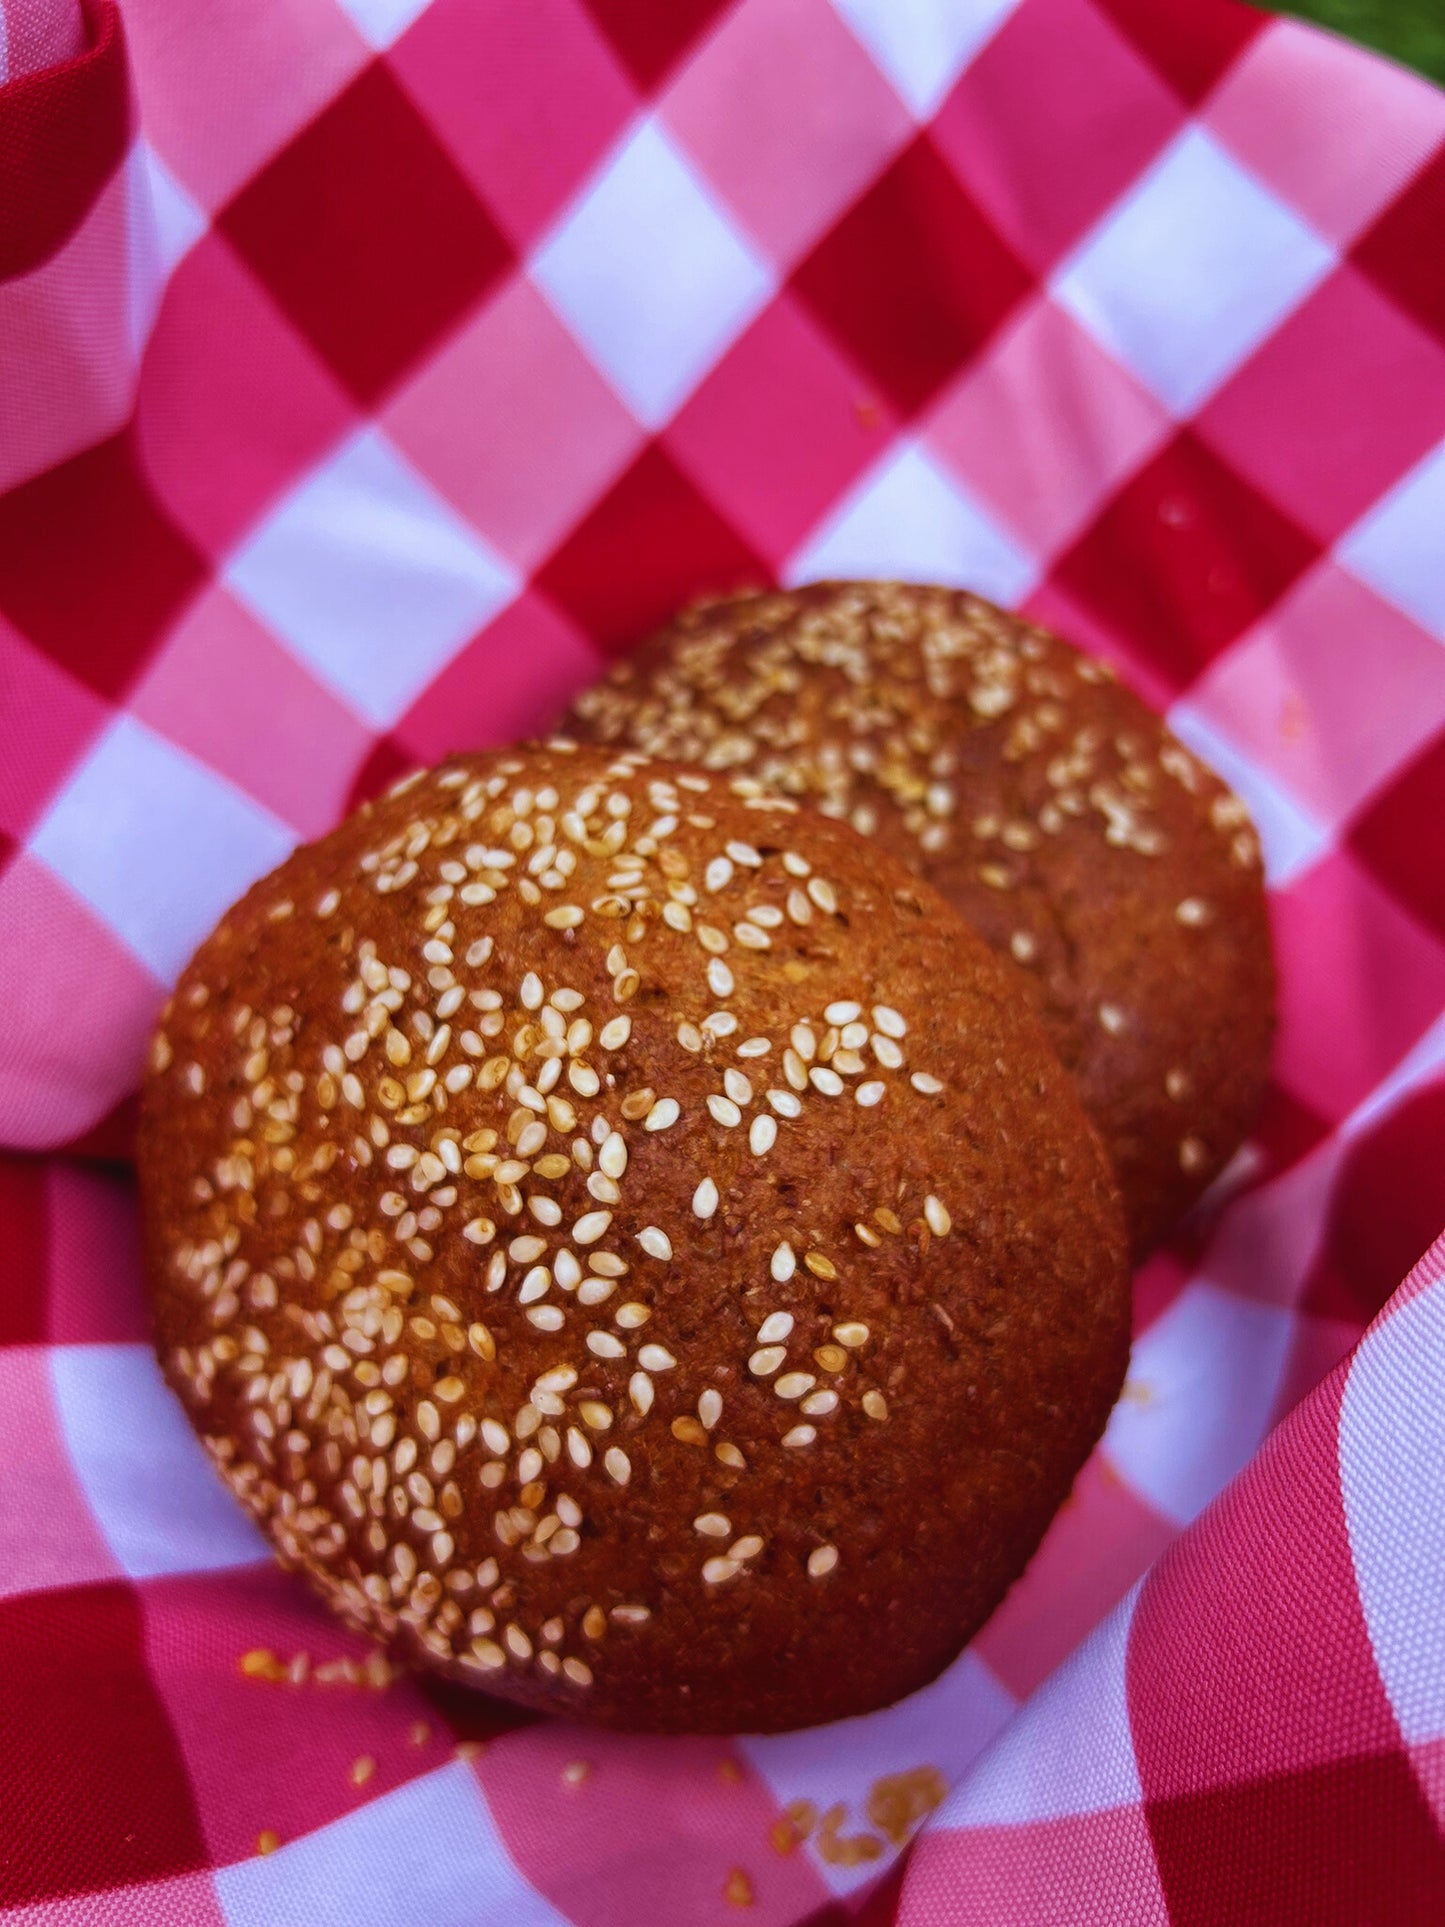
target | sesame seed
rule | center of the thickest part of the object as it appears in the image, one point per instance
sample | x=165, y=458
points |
x=494, y=1436
x=723, y=1111
x=705, y=1199
x=631, y=1315
x=531, y=992
x=775, y=1328
x=655, y=1358
x=785, y=1103
x=718, y=874
x=738, y=1088
x=729, y=1454
x=615, y=1033
x=936, y=1217
x=766, y=1360
x=853, y=1334
x=617, y=1464
x=578, y=1448
x=612, y=1158
x=665, y=1112
x=719, y=978
x=875, y=1405
x=754, y=1047
x=820, y=1265
x=762, y=1135
x=1112, y=1019
x=825, y=1080
x=709, y=1407
x=547, y=1318
x=800, y=1436
x=640, y=1391
x=843, y=1013
x=867, y=1094
x=654, y=1242
x=925, y=1081
x=1193, y=912
x=820, y=1404
x=578, y=1671
x=590, y=1226
x=821, y=1561
x=603, y=1345
x=717, y=1571
x=783, y=1264
x=713, y=1525
x=794, y=1384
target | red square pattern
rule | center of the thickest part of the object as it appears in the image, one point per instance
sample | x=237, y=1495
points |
x=262, y=1754
x=1101, y=1540
x=526, y=99
x=1401, y=836
x=23, y=1251
x=34, y=762
x=221, y=87
x=106, y=1800
x=1052, y=122
x=514, y=425
x=367, y=235
x=1183, y=559
x=1354, y=968
x=1336, y=406
x=1044, y=426
x=233, y=403
x=656, y=512
x=650, y=38
x=96, y=1293
x=1074, y=1870
x=1294, y=696
x=910, y=307
x=1192, y=43
x=779, y=430
x=72, y=1036
x=91, y=568
x=512, y=682
x=225, y=689
x=1296, y=109
x=1402, y=251
x=1384, y=1210
x=787, y=117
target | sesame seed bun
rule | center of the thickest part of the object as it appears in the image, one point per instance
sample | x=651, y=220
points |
x=1113, y=871
x=629, y=1244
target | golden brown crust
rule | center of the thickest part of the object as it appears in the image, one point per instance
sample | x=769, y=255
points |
x=1041, y=798
x=837, y=1320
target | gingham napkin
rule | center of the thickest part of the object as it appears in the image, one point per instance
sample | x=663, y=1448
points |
x=371, y=370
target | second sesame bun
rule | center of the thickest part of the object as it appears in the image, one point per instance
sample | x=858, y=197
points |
x=629, y=1244
x=1103, y=861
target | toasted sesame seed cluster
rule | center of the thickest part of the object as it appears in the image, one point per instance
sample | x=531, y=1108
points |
x=1084, y=843
x=628, y=1243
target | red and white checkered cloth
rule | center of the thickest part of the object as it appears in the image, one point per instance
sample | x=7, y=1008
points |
x=369, y=371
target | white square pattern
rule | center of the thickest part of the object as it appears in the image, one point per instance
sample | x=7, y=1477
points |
x=370, y=578
x=948, y=1723
x=650, y=276
x=1202, y=1386
x=1190, y=271
x=380, y=22
x=427, y=1855
x=1069, y=1751
x=907, y=518
x=163, y=224
x=1399, y=547
x=1289, y=835
x=156, y=843
x=159, y=1505
x=924, y=45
